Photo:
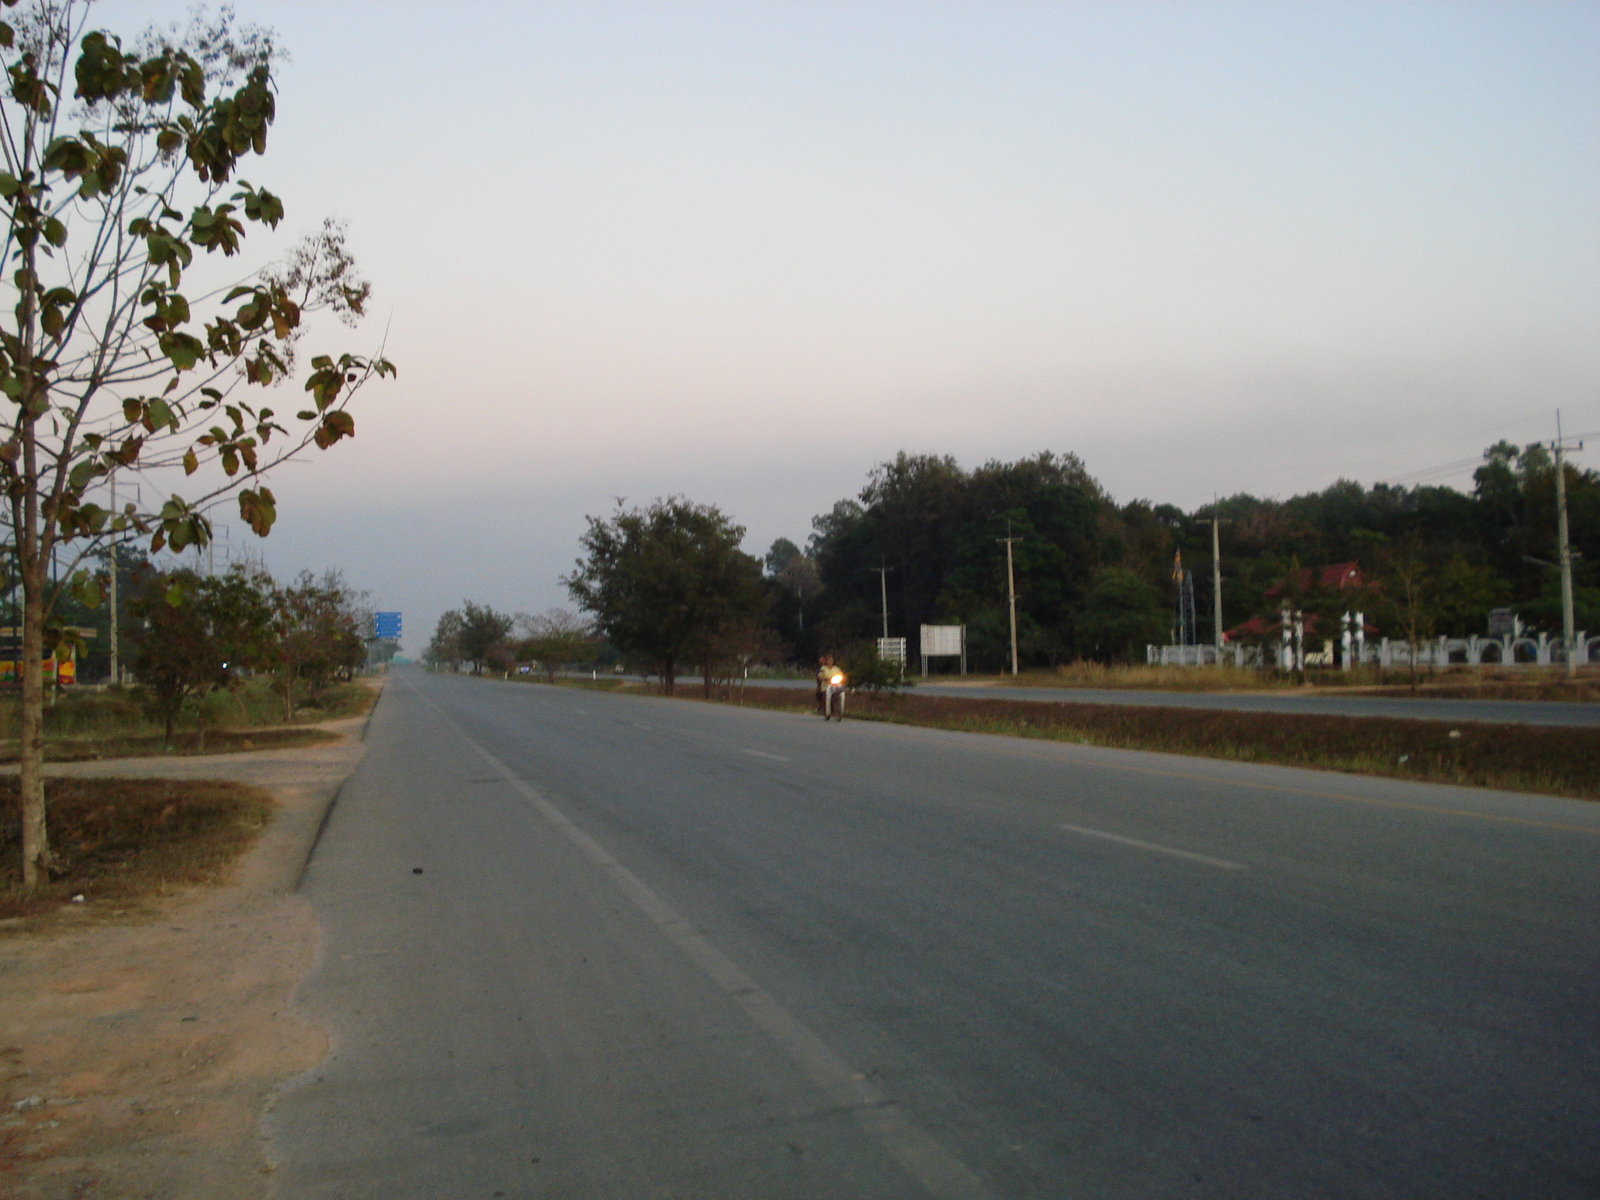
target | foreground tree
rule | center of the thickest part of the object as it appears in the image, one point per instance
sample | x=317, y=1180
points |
x=119, y=165
x=664, y=582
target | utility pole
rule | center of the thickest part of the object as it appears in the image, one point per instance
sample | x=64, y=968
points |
x=1011, y=592
x=1216, y=578
x=1565, y=550
x=883, y=588
x=116, y=662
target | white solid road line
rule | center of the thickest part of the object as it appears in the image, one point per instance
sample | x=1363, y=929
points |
x=940, y=1172
x=764, y=754
x=1128, y=841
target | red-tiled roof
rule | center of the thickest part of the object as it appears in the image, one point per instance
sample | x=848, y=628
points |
x=1337, y=576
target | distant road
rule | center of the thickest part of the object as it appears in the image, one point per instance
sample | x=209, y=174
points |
x=1511, y=712
x=600, y=946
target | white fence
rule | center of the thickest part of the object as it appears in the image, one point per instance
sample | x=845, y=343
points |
x=1525, y=651
x=1540, y=651
x=1202, y=656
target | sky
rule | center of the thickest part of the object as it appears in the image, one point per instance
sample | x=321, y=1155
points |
x=742, y=252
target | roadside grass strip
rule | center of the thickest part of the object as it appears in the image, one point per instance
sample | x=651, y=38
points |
x=122, y=841
x=116, y=724
x=1554, y=761
x=184, y=744
x=1450, y=683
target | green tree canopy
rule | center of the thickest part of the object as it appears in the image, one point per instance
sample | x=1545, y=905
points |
x=318, y=634
x=444, y=648
x=1122, y=614
x=482, y=631
x=554, y=639
x=193, y=633
x=664, y=582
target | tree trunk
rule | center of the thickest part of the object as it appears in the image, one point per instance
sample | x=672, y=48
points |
x=668, y=677
x=705, y=678
x=36, y=857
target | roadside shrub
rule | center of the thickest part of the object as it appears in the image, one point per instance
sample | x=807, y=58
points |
x=869, y=673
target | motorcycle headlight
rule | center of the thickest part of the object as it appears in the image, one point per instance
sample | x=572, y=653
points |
x=837, y=679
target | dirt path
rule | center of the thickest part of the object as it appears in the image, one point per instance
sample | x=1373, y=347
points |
x=137, y=1060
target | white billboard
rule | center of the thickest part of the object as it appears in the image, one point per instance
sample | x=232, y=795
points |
x=942, y=639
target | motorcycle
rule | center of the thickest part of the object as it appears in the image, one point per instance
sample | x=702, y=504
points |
x=833, y=697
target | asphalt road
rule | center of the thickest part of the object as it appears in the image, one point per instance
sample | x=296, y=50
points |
x=1512, y=712
x=664, y=949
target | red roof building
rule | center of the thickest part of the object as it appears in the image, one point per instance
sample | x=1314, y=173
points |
x=1338, y=577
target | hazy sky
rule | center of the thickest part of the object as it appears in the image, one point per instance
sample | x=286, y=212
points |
x=743, y=252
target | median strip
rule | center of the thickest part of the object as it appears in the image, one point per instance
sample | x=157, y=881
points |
x=1549, y=760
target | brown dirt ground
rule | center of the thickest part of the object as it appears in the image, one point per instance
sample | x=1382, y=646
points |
x=137, y=1058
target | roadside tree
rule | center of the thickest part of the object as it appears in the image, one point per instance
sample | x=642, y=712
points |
x=555, y=639
x=193, y=633
x=1122, y=613
x=316, y=635
x=444, y=648
x=482, y=633
x=119, y=166
x=663, y=582
x=1409, y=598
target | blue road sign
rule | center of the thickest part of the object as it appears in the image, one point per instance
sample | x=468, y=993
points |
x=386, y=625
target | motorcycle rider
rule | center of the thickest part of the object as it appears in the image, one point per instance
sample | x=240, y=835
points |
x=825, y=672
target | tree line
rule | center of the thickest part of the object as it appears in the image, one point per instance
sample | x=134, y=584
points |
x=475, y=637
x=190, y=634
x=1097, y=579
x=667, y=586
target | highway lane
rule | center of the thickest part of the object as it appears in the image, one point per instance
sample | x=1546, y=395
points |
x=1421, y=708
x=667, y=949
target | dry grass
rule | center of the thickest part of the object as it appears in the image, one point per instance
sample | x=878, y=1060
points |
x=111, y=724
x=122, y=841
x=149, y=745
x=1522, y=758
x=1527, y=683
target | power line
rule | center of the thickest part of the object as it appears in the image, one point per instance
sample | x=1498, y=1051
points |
x=1502, y=427
x=1424, y=474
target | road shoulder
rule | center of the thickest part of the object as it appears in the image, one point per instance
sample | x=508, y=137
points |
x=138, y=1058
